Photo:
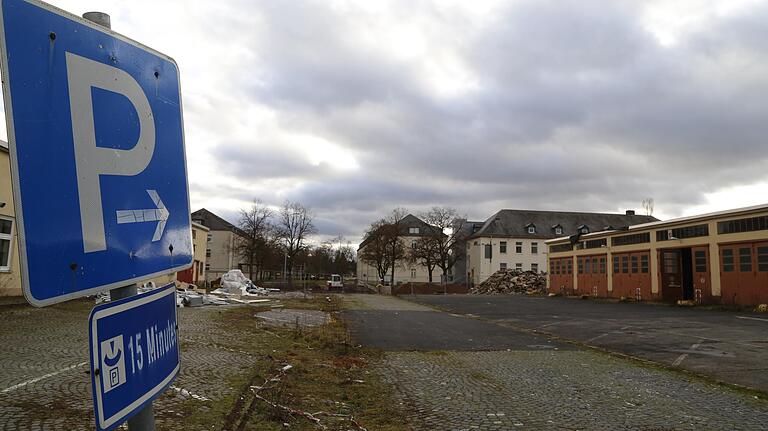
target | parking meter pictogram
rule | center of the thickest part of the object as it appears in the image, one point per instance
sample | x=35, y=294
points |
x=112, y=363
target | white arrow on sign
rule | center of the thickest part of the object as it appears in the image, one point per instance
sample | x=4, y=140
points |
x=159, y=214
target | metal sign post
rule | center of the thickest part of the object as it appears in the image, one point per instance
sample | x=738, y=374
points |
x=144, y=419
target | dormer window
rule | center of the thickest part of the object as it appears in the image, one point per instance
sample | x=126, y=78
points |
x=583, y=229
x=558, y=229
x=531, y=228
x=413, y=230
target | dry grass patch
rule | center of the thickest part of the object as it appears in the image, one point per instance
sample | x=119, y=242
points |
x=307, y=378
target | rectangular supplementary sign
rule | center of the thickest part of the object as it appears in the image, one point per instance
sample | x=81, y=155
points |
x=98, y=164
x=134, y=353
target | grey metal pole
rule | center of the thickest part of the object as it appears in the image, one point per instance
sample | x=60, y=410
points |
x=144, y=420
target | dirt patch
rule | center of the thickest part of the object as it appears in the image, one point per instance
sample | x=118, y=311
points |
x=294, y=318
x=349, y=362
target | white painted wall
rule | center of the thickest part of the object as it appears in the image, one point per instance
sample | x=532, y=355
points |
x=404, y=272
x=480, y=268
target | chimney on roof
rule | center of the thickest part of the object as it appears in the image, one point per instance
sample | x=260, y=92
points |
x=630, y=212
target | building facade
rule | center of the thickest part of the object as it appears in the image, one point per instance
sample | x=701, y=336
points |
x=515, y=239
x=196, y=274
x=412, y=229
x=719, y=258
x=10, y=273
x=220, y=250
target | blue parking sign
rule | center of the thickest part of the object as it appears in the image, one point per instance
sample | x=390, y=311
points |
x=97, y=154
x=134, y=353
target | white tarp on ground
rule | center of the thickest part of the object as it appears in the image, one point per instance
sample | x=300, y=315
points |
x=234, y=282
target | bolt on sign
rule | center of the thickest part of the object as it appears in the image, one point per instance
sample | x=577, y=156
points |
x=98, y=164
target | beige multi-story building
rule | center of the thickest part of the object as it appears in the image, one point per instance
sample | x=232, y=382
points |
x=10, y=274
x=220, y=249
x=515, y=239
x=196, y=273
x=412, y=229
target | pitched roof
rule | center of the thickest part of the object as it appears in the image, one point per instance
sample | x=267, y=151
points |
x=409, y=221
x=469, y=227
x=406, y=223
x=514, y=223
x=213, y=222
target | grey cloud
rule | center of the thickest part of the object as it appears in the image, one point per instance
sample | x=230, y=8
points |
x=577, y=108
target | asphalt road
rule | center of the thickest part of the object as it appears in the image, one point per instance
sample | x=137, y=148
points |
x=422, y=331
x=457, y=371
x=729, y=346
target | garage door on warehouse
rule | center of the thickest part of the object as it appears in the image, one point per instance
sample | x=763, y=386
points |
x=593, y=279
x=631, y=276
x=561, y=275
x=744, y=273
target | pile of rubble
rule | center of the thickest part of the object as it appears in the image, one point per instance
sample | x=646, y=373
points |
x=507, y=281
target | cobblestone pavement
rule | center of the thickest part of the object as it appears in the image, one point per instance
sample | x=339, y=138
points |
x=44, y=384
x=727, y=345
x=570, y=389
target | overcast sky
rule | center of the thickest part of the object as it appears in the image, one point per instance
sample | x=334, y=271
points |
x=356, y=107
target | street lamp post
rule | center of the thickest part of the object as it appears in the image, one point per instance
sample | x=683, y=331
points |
x=285, y=264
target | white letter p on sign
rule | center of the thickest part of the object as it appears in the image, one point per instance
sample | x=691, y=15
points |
x=92, y=161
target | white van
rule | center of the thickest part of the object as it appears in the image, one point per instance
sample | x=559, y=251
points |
x=335, y=282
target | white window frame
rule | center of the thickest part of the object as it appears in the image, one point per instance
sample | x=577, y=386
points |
x=413, y=230
x=558, y=231
x=9, y=238
x=536, y=265
x=531, y=229
x=502, y=265
x=534, y=248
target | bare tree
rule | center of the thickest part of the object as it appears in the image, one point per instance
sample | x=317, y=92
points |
x=294, y=224
x=347, y=255
x=648, y=205
x=392, y=229
x=375, y=251
x=255, y=225
x=424, y=251
x=445, y=235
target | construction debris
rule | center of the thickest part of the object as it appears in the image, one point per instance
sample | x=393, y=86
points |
x=512, y=281
x=235, y=289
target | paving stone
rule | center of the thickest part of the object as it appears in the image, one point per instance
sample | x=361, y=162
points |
x=570, y=390
x=37, y=342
